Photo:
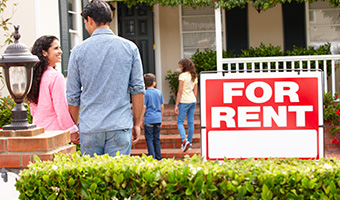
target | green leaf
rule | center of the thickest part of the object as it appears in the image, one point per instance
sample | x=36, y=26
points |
x=333, y=187
x=250, y=188
x=198, y=184
x=266, y=194
x=190, y=189
x=84, y=192
x=93, y=187
x=52, y=196
x=71, y=181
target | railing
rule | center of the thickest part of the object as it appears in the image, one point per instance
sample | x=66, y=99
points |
x=327, y=63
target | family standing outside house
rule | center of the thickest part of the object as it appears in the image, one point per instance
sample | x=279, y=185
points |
x=103, y=72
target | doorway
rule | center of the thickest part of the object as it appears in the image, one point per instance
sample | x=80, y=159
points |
x=136, y=24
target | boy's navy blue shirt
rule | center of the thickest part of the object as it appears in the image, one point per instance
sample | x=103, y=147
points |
x=153, y=100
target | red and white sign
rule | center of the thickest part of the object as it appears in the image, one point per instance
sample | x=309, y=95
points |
x=261, y=115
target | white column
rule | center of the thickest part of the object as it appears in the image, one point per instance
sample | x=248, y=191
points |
x=37, y=18
x=157, y=40
x=78, y=36
x=218, y=30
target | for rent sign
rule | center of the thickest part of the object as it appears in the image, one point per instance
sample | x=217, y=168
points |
x=261, y=115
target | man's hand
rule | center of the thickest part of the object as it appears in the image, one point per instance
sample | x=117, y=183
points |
x=75, y=138
x=135, y=134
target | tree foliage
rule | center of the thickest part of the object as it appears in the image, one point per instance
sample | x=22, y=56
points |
x=5, y=23
x=225, y=4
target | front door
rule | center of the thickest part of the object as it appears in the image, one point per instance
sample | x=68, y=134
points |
x=136, y=24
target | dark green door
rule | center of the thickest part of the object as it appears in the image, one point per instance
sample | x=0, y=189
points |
x=136, y=24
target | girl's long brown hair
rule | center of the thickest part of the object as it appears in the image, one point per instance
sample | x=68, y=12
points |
x=188, y=66
x=42, y=43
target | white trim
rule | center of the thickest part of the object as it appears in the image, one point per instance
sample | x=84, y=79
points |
x=224, y=33
x=307, y=23
x=218, y=39
x=115, y=18
x=37, y=18
x=79, y=35
x=157, y=42
x=180, y=30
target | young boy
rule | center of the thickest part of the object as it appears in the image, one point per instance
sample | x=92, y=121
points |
x=153, y=114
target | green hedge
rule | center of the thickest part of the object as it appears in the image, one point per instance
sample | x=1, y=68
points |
x=104, y=177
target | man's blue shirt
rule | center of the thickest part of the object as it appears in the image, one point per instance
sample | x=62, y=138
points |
x=153, y=100
x=102, y=72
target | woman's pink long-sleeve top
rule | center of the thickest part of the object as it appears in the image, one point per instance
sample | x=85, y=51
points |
x=51, y=112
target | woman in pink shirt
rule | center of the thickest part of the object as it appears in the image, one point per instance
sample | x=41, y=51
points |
x=47, y=95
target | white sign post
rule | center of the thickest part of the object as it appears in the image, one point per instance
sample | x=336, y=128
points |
x=261, y=115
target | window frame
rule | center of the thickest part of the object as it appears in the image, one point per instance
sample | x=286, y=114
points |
x=204, y=31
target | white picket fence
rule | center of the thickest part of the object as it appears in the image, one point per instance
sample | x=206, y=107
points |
x=327, y=63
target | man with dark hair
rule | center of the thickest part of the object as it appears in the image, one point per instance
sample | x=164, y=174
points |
x=103, y=71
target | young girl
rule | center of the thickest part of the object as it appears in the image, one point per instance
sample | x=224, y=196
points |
x=186, y=101
x=47, y=96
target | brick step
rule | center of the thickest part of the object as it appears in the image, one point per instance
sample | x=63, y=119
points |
x=169, y=141
x=168, y=153
x=170, y=138
x=170, y=127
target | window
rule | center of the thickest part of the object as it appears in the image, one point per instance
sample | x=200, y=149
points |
x=197, y=30
x=71, y=27
x=75, y=20
x=324, y=25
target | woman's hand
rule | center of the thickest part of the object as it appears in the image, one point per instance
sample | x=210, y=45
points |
x=75, y=138
x=176, y=110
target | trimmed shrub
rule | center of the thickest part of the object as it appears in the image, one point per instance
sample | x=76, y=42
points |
x=105, y=177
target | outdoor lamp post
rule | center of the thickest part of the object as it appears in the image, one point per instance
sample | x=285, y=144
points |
x=17, y=63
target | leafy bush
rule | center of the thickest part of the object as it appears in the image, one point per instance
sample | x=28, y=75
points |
x=262, y=51
x=6, y=106
x=172, y=78
x=206, y=60
x=105, y=177
x=331, y=113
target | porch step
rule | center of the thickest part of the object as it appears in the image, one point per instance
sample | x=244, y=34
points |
x=170, y=138
x=169, y=141
x=169, y=153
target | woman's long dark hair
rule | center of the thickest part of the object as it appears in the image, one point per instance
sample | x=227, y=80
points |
x=42, y=43
x=188, y=66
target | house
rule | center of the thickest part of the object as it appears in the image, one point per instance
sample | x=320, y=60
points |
x=166, y=34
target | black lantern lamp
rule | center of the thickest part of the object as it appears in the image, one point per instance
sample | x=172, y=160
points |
x=17, y=63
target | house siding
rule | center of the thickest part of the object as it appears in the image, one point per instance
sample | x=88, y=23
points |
x=170, y=44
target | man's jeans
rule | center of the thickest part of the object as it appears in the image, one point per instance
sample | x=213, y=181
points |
x=151, y=132
x=189, y=110
x=106, y=142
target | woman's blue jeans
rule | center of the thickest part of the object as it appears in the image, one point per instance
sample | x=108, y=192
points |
x=189, y=110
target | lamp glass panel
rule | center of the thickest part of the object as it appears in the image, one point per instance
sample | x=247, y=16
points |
x=18, y=80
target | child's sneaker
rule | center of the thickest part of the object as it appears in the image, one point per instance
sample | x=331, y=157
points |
x=190, y=147
x=185, y=145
